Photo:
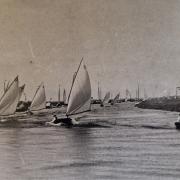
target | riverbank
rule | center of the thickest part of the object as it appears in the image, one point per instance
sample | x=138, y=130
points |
x=163, y=103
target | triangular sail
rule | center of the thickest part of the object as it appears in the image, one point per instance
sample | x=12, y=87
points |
x=80, y=94
x=116, y=98
x=39, y=100
x=106, y=98
x=10, y=99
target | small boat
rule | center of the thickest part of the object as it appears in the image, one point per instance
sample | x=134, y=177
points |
x=10, y=99
x=106, y=99
x=39, y=100
x=79, y=100
x=114, y=101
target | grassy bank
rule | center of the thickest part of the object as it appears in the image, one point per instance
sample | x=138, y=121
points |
x=163, y=103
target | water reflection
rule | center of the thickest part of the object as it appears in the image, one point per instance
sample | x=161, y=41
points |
x=143, y=144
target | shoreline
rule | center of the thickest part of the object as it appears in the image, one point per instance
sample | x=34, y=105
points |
x=162, y=103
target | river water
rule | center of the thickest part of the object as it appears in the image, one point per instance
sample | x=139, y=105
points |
x=122, y=142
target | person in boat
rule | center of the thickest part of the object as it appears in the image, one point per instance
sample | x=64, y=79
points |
x=65, y=121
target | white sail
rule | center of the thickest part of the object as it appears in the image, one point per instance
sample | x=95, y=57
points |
x=116, y=98
x=80, y=94
x=10, y=99
x=39, y=100
x=106, y=98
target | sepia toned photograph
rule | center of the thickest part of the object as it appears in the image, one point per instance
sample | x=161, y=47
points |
x=89, y=89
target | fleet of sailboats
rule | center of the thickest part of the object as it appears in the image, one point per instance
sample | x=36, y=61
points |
x=78, y=101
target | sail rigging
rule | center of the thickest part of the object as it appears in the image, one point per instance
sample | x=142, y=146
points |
x=39, y=100
x=10, y=99
x=6, y=85
x=74, y=77
x=80, y=93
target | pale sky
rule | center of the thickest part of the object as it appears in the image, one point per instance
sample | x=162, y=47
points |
x=122, y=41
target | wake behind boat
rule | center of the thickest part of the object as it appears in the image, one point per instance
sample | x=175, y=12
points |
x=79, y=100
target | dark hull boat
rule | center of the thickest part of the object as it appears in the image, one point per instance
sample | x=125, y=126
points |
x=177, y=124
x=61, y=122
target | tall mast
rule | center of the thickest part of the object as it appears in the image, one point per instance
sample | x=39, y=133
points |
x=59, y=94
x=74, y=77
x=138, y=92
x=99, y=91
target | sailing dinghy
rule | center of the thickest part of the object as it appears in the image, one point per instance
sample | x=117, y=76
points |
x=9, y=101
x=106, y=99
x=79, y=100
x=115, y=99
x=39, y=99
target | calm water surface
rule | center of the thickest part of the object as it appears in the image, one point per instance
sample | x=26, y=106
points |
x=124, y=143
